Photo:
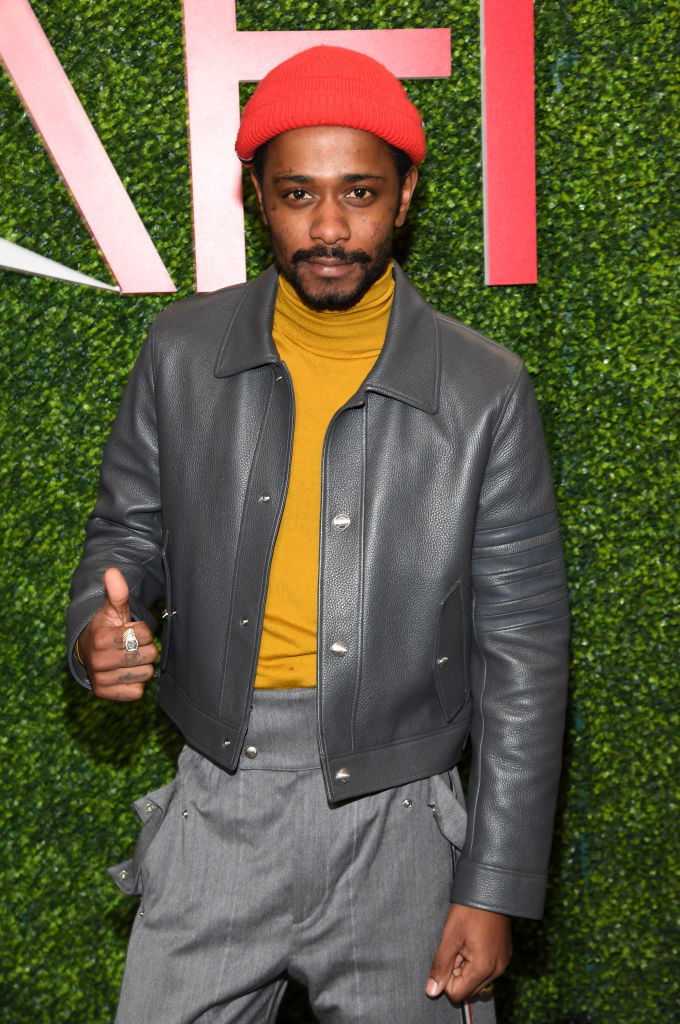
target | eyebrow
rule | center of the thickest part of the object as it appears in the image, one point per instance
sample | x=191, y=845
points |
x=307, y=179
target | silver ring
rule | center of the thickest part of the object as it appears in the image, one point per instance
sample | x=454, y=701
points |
x=130, y=640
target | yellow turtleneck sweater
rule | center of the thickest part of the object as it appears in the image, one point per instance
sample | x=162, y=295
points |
x=328, y=355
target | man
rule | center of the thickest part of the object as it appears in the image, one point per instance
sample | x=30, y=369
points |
x=344, y=498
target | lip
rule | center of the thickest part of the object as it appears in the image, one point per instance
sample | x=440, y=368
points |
x=329, y=268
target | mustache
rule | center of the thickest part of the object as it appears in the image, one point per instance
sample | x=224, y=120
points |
x=335, y=252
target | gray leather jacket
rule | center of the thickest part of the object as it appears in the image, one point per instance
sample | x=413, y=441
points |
x=442, y=599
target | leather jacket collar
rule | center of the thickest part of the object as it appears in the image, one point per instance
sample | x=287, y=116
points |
x=407, y=369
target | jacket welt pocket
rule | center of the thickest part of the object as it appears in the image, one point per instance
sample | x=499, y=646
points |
x=450, y=663
x=168, y=611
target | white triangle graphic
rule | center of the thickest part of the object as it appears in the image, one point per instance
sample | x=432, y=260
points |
x=25, y=261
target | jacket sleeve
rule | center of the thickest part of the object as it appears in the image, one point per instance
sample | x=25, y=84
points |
x=519, y=669
x=124, y=529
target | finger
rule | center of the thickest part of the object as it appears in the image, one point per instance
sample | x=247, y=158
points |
x=112, y=656
x=486, y=988
x=471, y=981
x=121, y=694
x=102, y=635
x=117, y=594
x=126, y=684
x=459, y=990
x=121, y=635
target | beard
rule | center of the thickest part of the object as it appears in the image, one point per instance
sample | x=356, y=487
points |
x=333, y=295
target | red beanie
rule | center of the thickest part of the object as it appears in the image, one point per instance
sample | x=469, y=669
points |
x=334, y=86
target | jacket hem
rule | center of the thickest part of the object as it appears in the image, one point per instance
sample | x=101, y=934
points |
x=210, y=736
x=396, y=764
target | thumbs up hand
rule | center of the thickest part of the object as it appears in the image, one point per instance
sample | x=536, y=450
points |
x=116, y=667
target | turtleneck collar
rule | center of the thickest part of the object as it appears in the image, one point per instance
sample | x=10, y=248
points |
x=343, y=334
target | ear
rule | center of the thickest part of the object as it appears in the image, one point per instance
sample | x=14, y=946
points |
x=405, y=196
x=257, y=185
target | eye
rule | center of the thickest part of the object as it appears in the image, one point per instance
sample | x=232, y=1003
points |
x=298, y=194
x=361, y=193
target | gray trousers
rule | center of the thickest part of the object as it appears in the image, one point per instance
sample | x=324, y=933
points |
x=251, y=877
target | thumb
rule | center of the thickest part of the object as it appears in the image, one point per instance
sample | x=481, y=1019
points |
x=448, y=960
x=446, y=963
x=117, y=594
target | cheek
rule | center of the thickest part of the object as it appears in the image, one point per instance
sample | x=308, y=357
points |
x=379, y=231
x=285, y=239
x=366, y=231
x=280, y=222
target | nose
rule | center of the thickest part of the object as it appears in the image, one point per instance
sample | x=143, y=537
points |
x=329, y=223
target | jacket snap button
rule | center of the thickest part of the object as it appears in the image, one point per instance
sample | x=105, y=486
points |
x=342, y=775
x=263, y=497
x=341, y=521
x=442, y=661
x=339, y=649
x=251, y=752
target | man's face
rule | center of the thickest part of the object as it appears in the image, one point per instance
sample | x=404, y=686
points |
x=331, y=199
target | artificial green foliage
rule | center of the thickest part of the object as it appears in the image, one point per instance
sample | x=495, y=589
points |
x=599, y=334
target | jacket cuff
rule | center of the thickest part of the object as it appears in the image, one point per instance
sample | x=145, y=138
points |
x=77, y=618
x=505, y=892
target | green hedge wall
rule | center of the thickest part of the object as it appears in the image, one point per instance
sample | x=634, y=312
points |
x=597, y=333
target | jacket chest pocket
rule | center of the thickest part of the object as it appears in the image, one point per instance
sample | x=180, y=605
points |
x=168, y=611
x=451, y=655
